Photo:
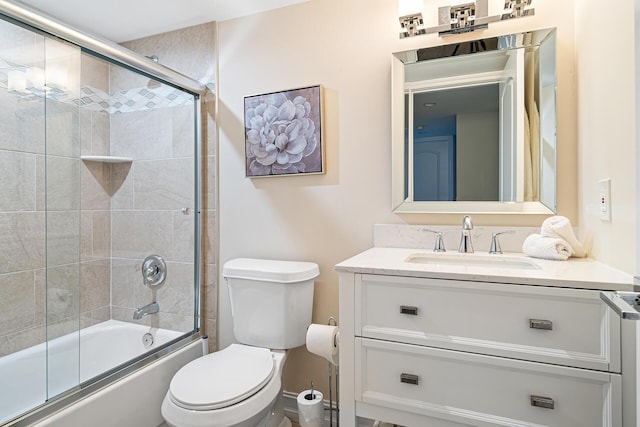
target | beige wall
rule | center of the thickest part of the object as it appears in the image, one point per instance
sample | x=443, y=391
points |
x=345, y=46
x=605, y=79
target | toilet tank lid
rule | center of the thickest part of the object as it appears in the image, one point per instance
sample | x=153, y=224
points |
x=270, y=270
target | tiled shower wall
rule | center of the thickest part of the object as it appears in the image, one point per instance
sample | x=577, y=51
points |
x=95, y=214
x=134, y=209
x=154, y=220
x=147, y=212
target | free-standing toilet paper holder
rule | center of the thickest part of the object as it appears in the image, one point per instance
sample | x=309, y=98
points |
x=334, y=373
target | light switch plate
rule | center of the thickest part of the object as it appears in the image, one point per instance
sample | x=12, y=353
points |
x=604, y=194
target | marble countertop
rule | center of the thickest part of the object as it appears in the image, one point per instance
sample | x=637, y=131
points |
x=573, y=273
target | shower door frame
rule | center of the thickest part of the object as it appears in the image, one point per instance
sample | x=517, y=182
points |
x=39, y=22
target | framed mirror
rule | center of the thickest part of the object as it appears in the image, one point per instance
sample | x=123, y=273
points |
x=474, y=126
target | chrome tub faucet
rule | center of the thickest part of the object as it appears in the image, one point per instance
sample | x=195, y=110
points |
x=152, y=308
x=466, y=246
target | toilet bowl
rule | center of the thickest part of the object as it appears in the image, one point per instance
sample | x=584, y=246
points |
x=241, y=386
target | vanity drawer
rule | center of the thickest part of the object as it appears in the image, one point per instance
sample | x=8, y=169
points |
x=483, y=390
x=570, y=327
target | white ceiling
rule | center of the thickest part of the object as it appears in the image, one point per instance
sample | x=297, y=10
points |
x=123, y=20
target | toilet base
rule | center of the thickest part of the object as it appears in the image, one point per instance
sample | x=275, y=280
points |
x=286, y=422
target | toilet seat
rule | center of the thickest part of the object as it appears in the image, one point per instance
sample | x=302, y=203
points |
x=223, y=378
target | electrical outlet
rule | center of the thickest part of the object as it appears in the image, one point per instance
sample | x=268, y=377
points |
x=604, y=193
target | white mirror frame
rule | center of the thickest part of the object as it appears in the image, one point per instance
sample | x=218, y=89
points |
x=402, y=205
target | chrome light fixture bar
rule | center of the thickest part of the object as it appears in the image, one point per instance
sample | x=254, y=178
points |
x=458, y=18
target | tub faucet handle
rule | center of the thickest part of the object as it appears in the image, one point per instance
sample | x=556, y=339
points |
x=439, y=242
x=154, y=270
x=495, y=242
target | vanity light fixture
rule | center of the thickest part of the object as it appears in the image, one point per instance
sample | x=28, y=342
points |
x=411, y=21
x=461, y=17
x=517, y=9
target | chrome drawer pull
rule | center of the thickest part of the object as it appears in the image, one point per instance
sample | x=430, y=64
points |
x=542, y=402
x=405, y=309
x=409, y=379
x=546, y=325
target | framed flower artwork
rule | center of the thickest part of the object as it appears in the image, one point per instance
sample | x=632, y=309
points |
x=283, y=133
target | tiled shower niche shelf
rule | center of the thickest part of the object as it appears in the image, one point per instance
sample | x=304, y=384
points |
x=107, y=159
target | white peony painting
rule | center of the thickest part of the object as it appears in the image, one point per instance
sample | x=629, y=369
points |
x=283, y=132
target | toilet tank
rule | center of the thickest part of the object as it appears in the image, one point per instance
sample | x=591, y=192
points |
x=271, y=301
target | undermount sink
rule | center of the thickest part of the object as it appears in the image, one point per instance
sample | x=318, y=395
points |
x=472, y=260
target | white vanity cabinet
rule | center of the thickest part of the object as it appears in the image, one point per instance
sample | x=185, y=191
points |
x=434, y=351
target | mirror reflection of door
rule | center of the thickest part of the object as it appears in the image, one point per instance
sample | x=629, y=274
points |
x=434, y=157
x=434, y=168
x=456, y=144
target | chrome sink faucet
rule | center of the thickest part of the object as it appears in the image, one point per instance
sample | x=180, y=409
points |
x=466, y=246
x=152, y=308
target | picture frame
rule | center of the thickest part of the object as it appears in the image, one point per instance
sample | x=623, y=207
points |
x=283, y=133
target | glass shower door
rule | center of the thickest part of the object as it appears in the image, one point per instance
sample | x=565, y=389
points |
x=39, y=219
x=62, y=207
x=23, y=363
x=98, y=170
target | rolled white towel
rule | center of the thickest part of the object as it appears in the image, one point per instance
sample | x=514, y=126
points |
x=560, y=227
x=553, y=248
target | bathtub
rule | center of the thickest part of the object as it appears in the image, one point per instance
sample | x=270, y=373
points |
x=102, y=348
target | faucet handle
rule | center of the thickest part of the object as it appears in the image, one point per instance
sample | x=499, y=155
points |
x=467, y=224
x=439, y=244
x=495, y=242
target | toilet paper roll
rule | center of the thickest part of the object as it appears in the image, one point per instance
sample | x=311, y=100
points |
x=324, y=340
x=310, y=408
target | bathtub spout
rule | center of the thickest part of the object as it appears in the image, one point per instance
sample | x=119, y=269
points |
x=152, y=308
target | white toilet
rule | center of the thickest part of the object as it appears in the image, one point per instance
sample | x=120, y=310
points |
x=271, y=303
